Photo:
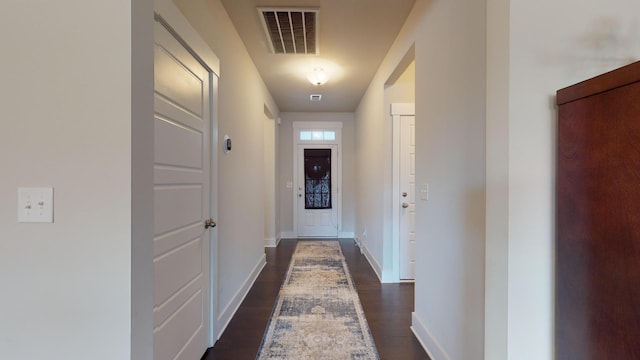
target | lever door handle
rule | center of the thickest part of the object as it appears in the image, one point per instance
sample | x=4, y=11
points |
x=405, y=205
x=209, y=223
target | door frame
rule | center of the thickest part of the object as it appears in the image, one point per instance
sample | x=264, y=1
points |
x=335, y=126
x=170, y=17
x=334, y=187
x=397, y=111
x=271, y=196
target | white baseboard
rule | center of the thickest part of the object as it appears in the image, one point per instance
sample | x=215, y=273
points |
x=428, y=342
x=292, y=235
x=384, y=276
x=272, y=242
x=370, y=258
x=373, y=262
x=230, y=309
x=358, y=243
x=390, y=277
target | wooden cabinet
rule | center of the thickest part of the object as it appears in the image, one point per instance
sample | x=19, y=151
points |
x=598, y=218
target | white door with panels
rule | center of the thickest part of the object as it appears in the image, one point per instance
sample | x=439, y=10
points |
x=317, y=210
x=182, y=181
x=407, y=197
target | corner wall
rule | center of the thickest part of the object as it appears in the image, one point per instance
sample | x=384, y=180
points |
x=449, y=40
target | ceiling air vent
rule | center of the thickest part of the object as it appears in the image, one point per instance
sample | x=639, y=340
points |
x=291, y=31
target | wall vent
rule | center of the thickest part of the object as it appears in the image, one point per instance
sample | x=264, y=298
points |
x=291, y=30
x=315, y=97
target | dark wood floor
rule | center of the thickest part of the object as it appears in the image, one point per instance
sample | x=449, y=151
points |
x=387, y=307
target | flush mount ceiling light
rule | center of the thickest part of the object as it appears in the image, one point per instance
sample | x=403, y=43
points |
x=318, y=77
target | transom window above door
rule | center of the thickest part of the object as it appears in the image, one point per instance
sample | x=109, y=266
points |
x=312, y=135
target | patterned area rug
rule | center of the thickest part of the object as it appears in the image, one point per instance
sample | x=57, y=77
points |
x=318, y=314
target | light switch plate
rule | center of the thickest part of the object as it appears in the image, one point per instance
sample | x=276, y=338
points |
x=35, y=205
x=424, y=192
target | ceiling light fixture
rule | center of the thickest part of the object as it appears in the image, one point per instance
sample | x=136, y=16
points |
x=318, y=77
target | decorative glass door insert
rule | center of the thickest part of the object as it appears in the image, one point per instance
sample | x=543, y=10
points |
x=317, y=174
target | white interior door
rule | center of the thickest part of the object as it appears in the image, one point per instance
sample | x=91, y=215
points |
x=317, y=191
x=407, y=197
x=182, y=124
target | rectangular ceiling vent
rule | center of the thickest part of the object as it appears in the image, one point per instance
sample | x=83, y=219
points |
x=291, y=30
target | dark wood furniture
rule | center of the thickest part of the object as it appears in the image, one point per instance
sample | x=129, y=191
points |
x=598, y=218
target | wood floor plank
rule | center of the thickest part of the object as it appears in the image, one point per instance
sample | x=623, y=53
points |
x=387, y=307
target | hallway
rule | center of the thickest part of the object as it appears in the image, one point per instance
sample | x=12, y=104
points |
x=78, y=121
x=387, y=307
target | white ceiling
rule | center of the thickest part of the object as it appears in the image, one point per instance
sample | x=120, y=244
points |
x=354, y=36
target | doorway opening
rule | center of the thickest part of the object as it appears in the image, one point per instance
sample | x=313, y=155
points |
x=400, y=99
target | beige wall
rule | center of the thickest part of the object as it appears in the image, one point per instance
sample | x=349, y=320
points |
x=285, y=157
x=402, y=90
x=69, y=123
x=449, y=94
x=242, y=100
x=450, y=113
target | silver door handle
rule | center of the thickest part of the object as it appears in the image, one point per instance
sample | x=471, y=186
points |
x=405, y=205
x=209, y=223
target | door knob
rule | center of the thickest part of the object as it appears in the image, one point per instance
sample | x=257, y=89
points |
x=209, y=223
x=405, y=205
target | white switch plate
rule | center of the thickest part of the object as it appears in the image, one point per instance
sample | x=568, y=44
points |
x=35, y=205
x=424, y=192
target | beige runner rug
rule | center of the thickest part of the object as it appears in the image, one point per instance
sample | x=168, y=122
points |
x=318, y=314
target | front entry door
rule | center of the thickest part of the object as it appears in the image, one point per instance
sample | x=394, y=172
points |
x=317, y=191
x=182, y=124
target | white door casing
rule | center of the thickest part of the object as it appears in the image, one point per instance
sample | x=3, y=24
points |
x=407, y=196
x=403, y=205
x=270, y=237
x=316, y=222
x=182, y=182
